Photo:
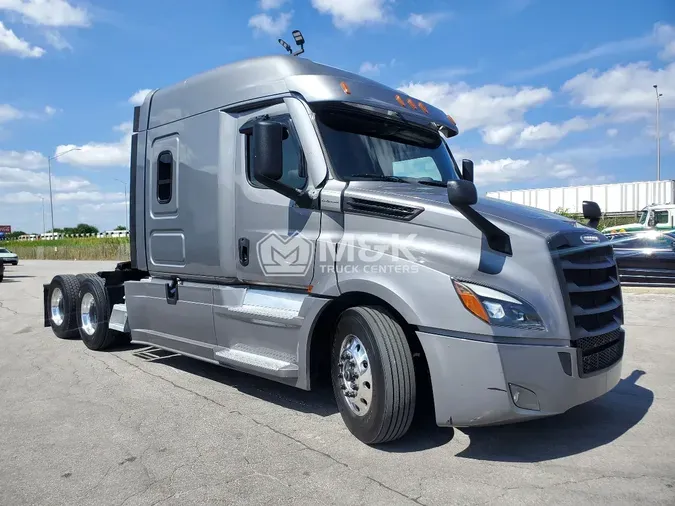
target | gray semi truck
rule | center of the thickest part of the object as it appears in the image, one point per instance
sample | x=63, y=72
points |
x=299, y=222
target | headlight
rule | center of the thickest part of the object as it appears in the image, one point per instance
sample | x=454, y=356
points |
x=497, y=308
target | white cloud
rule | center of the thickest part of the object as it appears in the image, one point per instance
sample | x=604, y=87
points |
x=30, y=160
x=267, y=5
x=371, y=68
x=9, y=113
x=47, y=12
x=264, y=23
x=612, y=132
x=56, y=40
x=502, y=134
x=549, y=132
x=492, y=107
x=11, y=44
x=78, y=196
x=99, y=154
x=426, y=22
x=348, y=14
x=662, y=35
x=507, y=170
x=138, y=97
x=50, y=111
x=665, y=35
x=623, y=88
x=671, y=136
x=12, y=177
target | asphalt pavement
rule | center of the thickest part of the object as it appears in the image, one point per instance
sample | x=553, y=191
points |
x=137, y=426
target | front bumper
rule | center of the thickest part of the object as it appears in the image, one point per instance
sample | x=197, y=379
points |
x=472, y=381
x=10, y=260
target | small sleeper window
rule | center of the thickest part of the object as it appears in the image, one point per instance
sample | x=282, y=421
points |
x=164, y=177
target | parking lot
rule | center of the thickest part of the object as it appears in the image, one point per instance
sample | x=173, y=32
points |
x=136, y=426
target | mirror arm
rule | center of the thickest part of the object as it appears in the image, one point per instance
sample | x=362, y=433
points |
x=302, y=198
x=593, y=223
x=497, y=239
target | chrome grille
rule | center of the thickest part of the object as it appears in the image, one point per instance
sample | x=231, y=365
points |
x=589, y=281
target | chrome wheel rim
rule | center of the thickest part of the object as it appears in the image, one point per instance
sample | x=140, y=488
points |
x=354, y=374
x=88, y=314
x=56, y=307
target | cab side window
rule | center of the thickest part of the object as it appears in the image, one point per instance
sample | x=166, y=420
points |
x=661, y=217
x=294, y=165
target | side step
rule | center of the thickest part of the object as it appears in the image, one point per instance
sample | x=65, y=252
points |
x=259, y=360
x=266, y=307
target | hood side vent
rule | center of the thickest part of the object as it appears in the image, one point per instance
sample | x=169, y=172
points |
x=355, y=205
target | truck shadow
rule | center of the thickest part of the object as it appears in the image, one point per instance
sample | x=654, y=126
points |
x=424, y=434
x=583, y=428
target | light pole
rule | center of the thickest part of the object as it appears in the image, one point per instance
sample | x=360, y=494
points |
x=658, y=133
x=126, y=203
x=49, y=165
x=43, y=215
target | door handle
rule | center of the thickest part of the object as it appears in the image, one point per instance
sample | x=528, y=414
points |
x=243, y=251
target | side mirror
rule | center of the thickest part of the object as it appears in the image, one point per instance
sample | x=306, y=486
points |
x=462, y=193
x=267, y=152
x=652, y=222
x=467, y=170
x=592, y=213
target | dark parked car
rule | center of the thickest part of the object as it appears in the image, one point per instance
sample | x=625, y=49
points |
x=2, y=271
x=645, y=257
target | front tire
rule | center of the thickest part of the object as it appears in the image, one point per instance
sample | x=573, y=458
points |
x=62, y=297
x=94, y=308
x=373, y=375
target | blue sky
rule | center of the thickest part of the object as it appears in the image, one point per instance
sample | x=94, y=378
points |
x=545, y=93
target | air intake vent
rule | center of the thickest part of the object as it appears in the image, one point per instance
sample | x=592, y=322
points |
x=383, y=209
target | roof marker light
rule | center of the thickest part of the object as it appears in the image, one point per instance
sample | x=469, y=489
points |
x=423, y=107
x=400, y=100
x=411, y=103
x=345, y=88
x=450, y=118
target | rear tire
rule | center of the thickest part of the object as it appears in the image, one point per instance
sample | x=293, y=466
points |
x=93, y=313
x=371, y=351
x=62, y=299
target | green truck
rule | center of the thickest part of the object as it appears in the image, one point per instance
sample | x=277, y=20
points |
x=655, y=216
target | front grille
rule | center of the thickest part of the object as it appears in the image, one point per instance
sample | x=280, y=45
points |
x=601, y=356
x=589, y=281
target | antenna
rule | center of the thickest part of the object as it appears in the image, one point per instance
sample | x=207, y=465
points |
x=299, y=40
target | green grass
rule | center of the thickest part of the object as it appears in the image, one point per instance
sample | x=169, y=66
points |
x=76, y=248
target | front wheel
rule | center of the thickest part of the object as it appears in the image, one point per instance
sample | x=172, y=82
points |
x=373, y=375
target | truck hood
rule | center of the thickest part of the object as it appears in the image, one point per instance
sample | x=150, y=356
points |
x=500, y=212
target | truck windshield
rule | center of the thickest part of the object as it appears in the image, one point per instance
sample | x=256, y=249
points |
x=365, y=146
x=643, y=217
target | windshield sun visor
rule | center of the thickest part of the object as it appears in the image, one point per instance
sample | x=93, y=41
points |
x=370, y=94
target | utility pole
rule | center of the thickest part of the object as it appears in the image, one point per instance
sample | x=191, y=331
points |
x=658, y=133
x=126, y=203
x=51, y=198
x=43, y=215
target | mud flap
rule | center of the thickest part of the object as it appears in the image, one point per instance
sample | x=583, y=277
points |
x=45, y=305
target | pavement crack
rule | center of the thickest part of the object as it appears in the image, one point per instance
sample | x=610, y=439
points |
x=2, y=306
x=107, y=366
x=261, y=424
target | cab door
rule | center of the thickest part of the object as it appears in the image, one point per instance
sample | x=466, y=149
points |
x=275, y=239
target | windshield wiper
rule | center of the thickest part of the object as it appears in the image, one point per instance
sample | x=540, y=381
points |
x=380, y=177
x=432, y=182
